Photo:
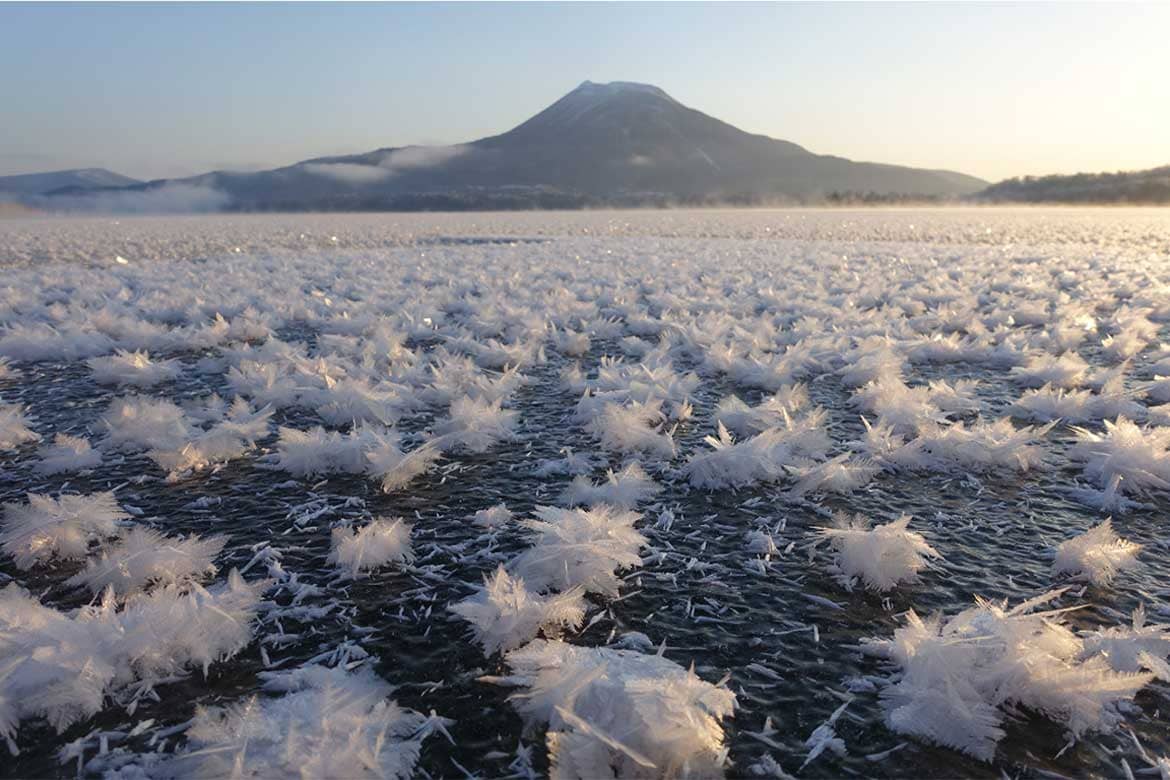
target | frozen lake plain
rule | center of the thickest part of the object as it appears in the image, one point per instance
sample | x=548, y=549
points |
x=337, y=406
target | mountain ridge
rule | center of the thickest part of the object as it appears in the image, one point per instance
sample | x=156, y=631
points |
x=618, y=143
x=51, y=181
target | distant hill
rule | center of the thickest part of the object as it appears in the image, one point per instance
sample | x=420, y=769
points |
x=601, y=144
x=1150, y=187
x=78, y=179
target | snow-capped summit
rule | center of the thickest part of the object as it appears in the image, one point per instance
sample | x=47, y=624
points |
x=615, y=87
x=590, y=101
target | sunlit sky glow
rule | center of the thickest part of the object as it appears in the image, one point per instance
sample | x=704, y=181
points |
x=994, y=90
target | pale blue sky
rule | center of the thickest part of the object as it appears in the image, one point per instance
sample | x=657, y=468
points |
x=988, y=89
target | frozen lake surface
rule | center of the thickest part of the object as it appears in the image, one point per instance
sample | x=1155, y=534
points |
x=295, y=384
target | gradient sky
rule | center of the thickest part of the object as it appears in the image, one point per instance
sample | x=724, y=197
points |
x=994, y=90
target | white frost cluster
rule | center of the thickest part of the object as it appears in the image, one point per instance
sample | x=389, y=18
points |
x=744, y=420
x=61, y=528
x=134, y=369
x=379, y=542
x=63, y=666
x=580, y=548
x=136, y=423
x=574, y=551
x=619, y=713
x=903, y=408
x=841, y=474
x=1139, y=458
x=760, y=458
x=623, y=490
x=475, y=425
x=41, y=341
x=1140, y=645
x=637, y=428
x=182, y=441
x=956, y=447
x=318, y=451
x=1066, y=371
x=961, y=676
x=505, y=614
x=329, y=724
x=68, y=454
x=14, y=430
x=395, y=467
x=143, y=556
x=881, y=557
x=981, y=447
x=366, y=449
x=1097, y=555
x=1050, y=403
x=493, y=517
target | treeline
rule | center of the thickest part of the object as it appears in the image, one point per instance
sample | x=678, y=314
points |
x=539, y=198
x=853, y=198
x=488, y=200
x=1150, y=187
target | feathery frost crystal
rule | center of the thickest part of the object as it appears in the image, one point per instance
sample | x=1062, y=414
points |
x=374, y=545
x=329, y=724
x=960, y=676
x=580, y=548
x=881, y=557
x=143, y=557
x=1097, y=555
x=504, y=614
x=619, y=713
x=63, y=528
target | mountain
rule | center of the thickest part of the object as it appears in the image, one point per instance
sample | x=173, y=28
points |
x=1136, y=187
x=75, y=180
x=601, y=144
